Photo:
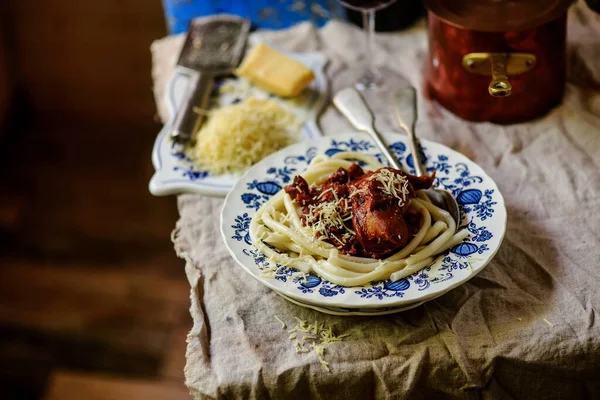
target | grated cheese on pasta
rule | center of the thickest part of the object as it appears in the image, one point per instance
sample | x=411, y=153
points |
x=323, y=217
x=393, y=184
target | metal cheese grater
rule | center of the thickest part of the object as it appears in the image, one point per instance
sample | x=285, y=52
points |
x=213, y=47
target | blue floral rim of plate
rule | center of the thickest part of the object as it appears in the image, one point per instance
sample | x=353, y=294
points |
x=481, y=205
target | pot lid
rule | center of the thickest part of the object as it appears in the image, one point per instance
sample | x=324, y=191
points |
x=498, y=15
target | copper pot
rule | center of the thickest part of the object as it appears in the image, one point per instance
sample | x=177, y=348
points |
x=502, y=61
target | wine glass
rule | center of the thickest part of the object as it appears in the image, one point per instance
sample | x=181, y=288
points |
x=377, y=85
x=371, y=77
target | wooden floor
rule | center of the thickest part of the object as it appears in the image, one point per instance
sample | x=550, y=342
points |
x=91, y=292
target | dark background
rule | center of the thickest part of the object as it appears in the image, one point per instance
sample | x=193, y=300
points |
x=92, y=296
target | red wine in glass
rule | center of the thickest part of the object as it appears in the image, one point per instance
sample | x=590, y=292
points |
x=395, y=17
x=366, y=5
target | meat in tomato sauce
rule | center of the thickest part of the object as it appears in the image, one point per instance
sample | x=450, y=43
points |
x=361, y=214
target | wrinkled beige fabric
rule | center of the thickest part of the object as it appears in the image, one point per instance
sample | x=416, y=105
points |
x=485, y=339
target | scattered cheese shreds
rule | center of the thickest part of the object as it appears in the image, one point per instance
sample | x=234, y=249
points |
x=299, y=348
x=281, y=322
x=236, y=136
x=319, y=349
x=316, y=337
x=550, y=324
x=325, y=364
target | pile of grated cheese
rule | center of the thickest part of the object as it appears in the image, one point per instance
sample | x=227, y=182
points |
x=236, y=136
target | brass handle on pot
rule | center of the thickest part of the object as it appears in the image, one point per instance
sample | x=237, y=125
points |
x=500, y=66
x=499, y=86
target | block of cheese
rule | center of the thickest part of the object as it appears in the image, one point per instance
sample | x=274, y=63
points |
x=275, y=72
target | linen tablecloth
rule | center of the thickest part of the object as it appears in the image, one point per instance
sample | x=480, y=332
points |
x=525, y=327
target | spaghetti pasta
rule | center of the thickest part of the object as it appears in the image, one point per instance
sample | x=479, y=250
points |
x=302, y=235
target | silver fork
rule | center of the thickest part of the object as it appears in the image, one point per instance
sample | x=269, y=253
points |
x=350, y=103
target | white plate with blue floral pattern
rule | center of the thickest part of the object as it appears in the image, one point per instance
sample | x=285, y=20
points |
x=350, y=312
x=175, y=172
x=482, y=209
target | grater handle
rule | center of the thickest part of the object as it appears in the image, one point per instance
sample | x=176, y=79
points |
x=195, y=99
